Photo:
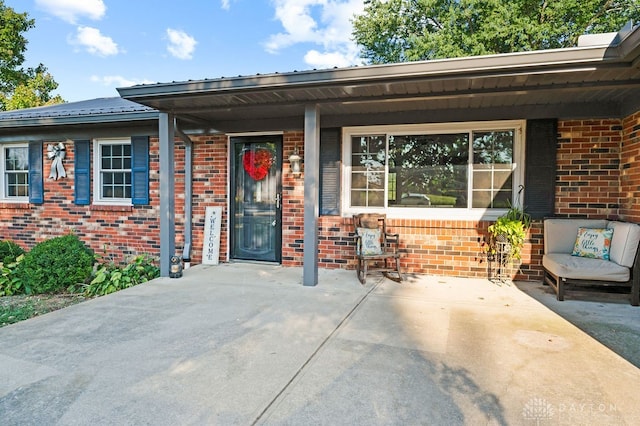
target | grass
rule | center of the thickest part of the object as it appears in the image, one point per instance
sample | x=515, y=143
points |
x=19, y=308
x=13, y=314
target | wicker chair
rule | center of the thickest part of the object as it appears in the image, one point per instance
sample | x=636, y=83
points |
x=376, y=249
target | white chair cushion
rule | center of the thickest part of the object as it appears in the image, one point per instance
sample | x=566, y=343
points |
x=560, y=234
x=582, y=268
x=624, y=243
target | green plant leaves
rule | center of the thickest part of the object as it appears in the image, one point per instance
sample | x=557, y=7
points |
x=111, y=278
x=9, y=283
x=513, y=226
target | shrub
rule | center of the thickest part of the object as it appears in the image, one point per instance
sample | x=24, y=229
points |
x=111, y=278
x=9, y=251
x=56, y=265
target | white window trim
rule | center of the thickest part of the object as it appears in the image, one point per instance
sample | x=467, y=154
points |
x=3, y=196
x=97, y=184
x=433, y=213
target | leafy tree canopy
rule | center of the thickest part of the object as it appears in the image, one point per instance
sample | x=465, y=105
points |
x=411, y=30
x=20, y=87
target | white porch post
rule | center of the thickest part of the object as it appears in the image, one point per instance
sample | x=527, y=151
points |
x=167, y=192
x=311, y=197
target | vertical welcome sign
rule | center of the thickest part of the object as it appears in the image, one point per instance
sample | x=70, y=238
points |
x=211, y=248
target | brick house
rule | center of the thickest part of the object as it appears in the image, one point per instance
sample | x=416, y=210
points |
x=440, y=146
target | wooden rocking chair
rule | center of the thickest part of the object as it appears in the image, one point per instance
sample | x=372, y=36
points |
x=375, y=245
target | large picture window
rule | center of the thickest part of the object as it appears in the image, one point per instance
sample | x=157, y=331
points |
x=433, y=170
x=15, y=172
x=428, y=170
x=113, y=171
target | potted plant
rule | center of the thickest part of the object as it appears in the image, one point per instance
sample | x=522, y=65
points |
x=510, y=229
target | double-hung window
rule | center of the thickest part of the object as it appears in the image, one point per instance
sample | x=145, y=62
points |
x=15, y=172
x=112, y=171
x=455, y=170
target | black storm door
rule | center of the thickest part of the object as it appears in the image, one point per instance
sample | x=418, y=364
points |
x=256, y=194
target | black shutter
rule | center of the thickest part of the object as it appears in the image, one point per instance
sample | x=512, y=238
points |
x=36, y=180
x=140, y=170
x=330, y=148
x=540, y=168
x=82, y=171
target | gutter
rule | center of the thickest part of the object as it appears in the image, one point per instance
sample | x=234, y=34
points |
x=65, y=120
x=552, y=61
x=188, y=196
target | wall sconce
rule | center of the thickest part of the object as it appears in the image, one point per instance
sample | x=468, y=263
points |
x=294, y=161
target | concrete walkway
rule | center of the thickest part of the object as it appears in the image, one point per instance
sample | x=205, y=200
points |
x=245, y=344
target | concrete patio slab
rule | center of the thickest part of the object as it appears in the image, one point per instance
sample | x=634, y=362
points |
x=248, y=344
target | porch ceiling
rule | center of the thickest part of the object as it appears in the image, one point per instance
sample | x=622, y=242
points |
x=600, y=81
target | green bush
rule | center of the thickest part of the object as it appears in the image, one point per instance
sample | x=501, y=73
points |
x=9, y=251
x=56, y=265
x=111, y=278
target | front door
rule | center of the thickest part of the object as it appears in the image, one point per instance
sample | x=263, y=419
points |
x=256, y=194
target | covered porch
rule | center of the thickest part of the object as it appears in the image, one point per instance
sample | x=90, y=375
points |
x=581, y=89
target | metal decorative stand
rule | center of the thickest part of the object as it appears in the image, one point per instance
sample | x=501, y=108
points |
x=500, y=271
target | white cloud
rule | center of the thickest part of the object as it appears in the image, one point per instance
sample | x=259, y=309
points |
x=226, y=4
x=297, y=21
x=328, y=59
x=118, y=81
x=326, y=23
x=94, y=42
x=181, y=45
x=71, y=10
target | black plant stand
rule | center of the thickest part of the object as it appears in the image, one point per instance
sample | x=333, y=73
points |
x=502, y=259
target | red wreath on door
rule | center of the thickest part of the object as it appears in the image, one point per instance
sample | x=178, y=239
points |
x=257, y=163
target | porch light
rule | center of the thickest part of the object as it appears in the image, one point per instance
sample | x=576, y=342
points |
x=294, y=161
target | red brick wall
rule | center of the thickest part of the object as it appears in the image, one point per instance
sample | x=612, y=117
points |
x=210, y=177
x=116, y=232
x=436, y=247
x=292, y=203
x=630, y=169
x=588, y=176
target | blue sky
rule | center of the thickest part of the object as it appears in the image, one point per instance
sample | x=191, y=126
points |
x=93, y=46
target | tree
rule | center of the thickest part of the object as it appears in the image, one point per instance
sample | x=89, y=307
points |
x=410, y=30
x=36, y=91
x=20, y=87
